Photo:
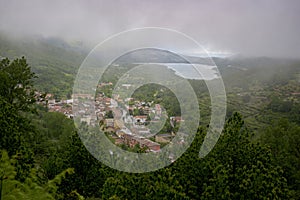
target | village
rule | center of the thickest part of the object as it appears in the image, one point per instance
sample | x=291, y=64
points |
x=125, y=121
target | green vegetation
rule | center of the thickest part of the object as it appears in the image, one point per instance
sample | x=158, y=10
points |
x=54, y=61
x=19, y=179
x=256, y=157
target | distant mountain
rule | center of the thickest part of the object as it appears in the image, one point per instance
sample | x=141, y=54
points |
x=249, y=62
x=76, y=46
x=56, y=62
x=151, y=55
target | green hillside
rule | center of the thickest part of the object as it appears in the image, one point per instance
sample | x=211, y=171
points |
x=54, y=61
x=256, y=157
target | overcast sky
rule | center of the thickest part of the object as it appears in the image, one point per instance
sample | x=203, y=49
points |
x=254, y=27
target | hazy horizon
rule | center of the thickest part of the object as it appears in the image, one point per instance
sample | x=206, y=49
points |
x=261, y=28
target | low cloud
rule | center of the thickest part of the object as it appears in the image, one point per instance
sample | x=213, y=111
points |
x=254, y=28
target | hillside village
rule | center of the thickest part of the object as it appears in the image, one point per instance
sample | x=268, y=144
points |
x=125, y=121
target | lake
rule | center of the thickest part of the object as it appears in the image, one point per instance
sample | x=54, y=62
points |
x=191, y=71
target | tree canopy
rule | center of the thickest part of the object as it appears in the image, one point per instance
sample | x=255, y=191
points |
x=42, y=156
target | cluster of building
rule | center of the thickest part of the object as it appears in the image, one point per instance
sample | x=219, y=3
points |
x=130, y=117
x=124, y=124
x=127, y=128
x=132, y=140
x=53, y=105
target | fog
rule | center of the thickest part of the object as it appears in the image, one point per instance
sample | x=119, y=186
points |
x=253, y=28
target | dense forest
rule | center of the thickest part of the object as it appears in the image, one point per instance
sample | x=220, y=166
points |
x=256, y=157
